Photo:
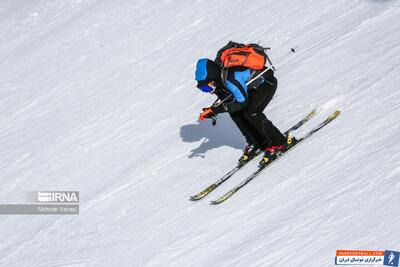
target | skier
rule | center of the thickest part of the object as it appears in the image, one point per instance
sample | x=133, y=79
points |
x=244, y=103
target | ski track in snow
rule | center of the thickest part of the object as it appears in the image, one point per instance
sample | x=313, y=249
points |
x=98, y=97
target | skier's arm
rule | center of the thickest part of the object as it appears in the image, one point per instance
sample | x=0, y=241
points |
x=236, y=84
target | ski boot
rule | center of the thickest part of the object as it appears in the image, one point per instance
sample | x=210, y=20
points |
x=272, y=152
x=249, y=153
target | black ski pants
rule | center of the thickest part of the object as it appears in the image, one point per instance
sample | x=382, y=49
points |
x=253, y=123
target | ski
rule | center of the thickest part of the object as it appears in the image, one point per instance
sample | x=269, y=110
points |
x=263, y=167
x=229, y=174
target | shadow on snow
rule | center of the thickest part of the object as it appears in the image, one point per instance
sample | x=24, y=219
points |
x=224, y=133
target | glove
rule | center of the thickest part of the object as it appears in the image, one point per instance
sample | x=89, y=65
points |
x=207, y=113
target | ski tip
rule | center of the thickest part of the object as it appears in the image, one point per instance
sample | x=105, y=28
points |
x=312, y=113
x=194, y=198
x=214, y=202
x=335, y=114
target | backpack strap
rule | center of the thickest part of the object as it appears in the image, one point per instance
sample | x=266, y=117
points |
x=224, y=75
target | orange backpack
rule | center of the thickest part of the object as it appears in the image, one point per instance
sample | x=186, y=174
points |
x=234, y=55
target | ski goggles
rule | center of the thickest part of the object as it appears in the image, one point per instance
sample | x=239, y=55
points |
x=208, y=88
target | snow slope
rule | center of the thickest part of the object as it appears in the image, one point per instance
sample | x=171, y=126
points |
x=98, y=96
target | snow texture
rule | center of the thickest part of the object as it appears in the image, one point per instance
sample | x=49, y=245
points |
x=99, y=97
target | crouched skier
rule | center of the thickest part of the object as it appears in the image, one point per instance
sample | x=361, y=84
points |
x=245, y=105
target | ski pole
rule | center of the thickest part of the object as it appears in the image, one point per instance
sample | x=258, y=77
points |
x=255, y=78
x=268, y=59
x=261, y=73
x=221, y=102
x=216, y=104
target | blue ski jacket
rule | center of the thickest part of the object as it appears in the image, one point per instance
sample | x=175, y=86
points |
x=231, y=82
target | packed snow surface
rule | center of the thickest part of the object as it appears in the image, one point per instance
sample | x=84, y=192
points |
x=99, y=97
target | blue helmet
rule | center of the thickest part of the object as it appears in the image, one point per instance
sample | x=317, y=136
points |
x=207, y=71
